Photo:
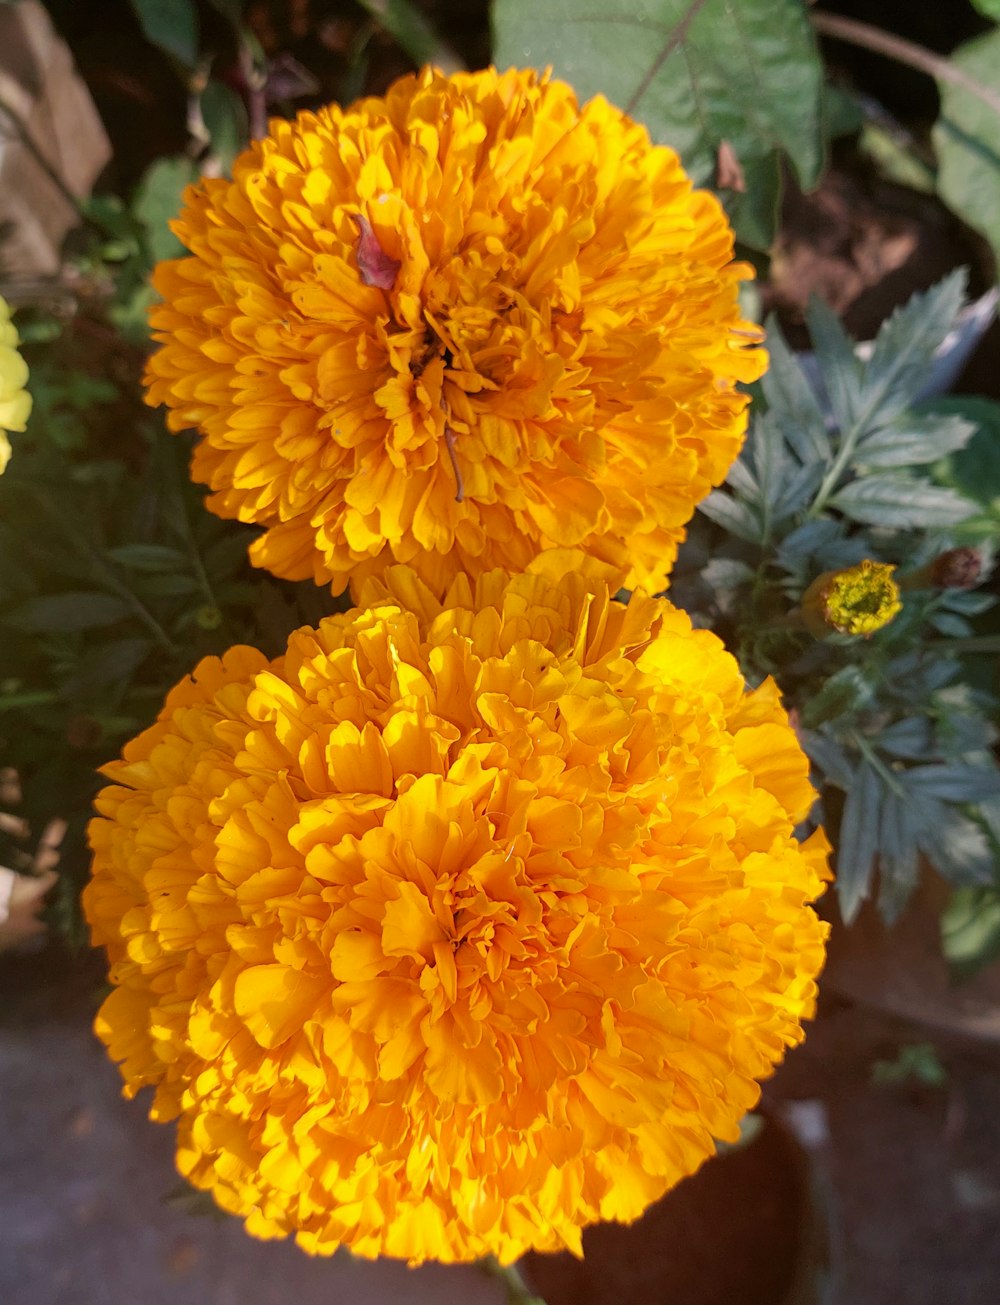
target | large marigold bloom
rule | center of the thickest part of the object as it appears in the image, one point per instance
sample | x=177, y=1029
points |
x=452, y=327
x=463, y=924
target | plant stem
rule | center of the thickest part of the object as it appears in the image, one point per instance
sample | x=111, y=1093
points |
x=518, y=1291
x=673, y=41
x=895, y=47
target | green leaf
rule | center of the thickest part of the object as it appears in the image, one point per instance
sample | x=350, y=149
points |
x=844, y=693
x=858, y=842
x=902, y=503
x=953, y=783
x=696, y=72
x=898, y=855
x=792, y=401
x=149, y=557
x=840, y=367
x=966, y=137
x=412, y=32
x=913, y=440
x=172, y=25
x=830, y=758
x=970, y=930
x=735, y=518
x=158, y=200
x=905, y=345
x=911, y=738
x=226, y=119
x=64, y=613
x=975, y=469
x=956, y=844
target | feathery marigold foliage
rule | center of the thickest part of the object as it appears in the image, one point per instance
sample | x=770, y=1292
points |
x=463, y=924
x=15, y=401
x=452, y=327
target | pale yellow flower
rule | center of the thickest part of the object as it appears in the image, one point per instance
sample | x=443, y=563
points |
x=15, y=401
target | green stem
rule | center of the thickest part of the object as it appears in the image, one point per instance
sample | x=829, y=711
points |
x=877, y=764
x=518, y=1291
x=894, y=47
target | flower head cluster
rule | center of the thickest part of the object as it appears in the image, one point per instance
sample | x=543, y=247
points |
x=464, y=923
x=858, y=600
x=15, y=401
x=453, y=327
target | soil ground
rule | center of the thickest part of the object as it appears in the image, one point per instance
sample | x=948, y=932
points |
x=907, y=1181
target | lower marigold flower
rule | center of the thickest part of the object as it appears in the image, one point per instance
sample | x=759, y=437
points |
x=453, y=327
x=464, y=923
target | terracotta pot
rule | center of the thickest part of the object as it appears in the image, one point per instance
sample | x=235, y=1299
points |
x=747, y=1227
x=900, y=969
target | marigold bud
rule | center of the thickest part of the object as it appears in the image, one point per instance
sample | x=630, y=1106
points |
x=858, y=600
x=958, y=568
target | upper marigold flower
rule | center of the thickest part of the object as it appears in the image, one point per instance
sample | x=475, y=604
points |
x=452, y=327
x=15, y=401
x=463, y=924
x=858, y=600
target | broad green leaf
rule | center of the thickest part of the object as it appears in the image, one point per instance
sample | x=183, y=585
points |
x=409, y=28
x=227, y=122
x=172, y=25
x=970, y=930
x=975, y=469
x=696, y=72
x=949, y=624
x=912, y=440
x=64, y=613
x=858, y=841
x=158, y=200
x=967, y=139
x=905, y=345
x=905, y=504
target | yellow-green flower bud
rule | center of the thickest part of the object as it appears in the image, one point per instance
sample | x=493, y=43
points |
x=858, y=600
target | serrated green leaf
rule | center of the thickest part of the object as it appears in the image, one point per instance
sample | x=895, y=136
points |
x=902, y=503
x=955, y=844
x=798, y=491
x=809, y=538
x=968, y=603
x=953, y=783
x=735, y=518
x=148, y=557
x=912, y=441
x=898, y=855
x=970, y=930
x=166, y=585
x=792, y=401
x=65, y=613
x=966, y=138
x=172, y=25
x=696, y=72
x=905, y=345
x=912, y=737
x=830, y=757
x=947, y=623
x=858, y=842
x=844, y=693
x=742, y=479
x=840, y=369
x=725, y=573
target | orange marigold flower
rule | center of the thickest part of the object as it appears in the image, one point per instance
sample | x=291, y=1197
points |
x=452, y=327
x=464, y=923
